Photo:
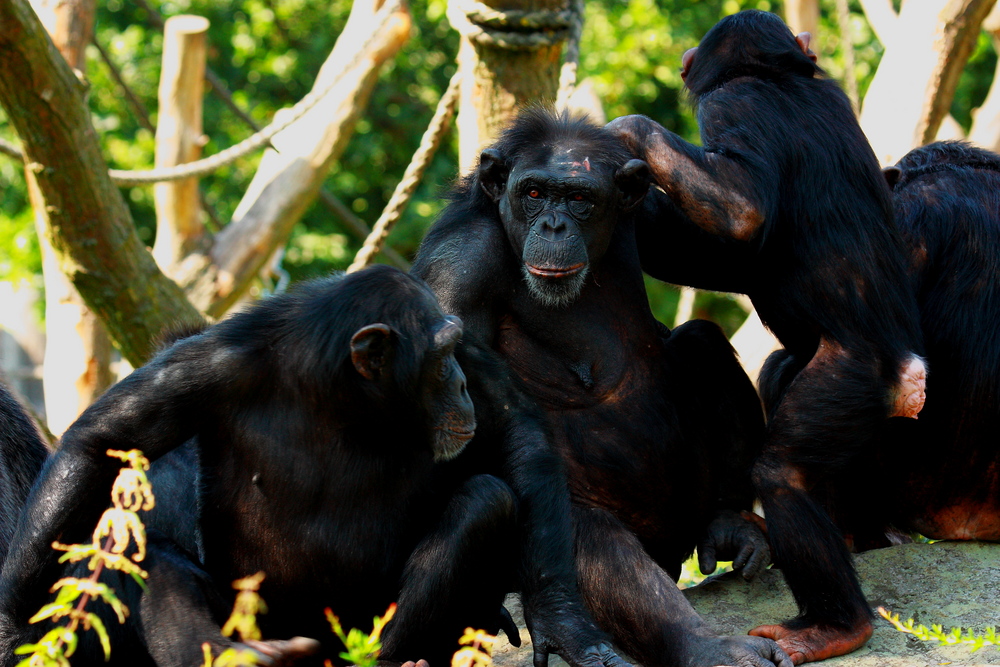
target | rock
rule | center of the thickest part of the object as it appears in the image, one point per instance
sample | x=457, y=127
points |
x=947, y=583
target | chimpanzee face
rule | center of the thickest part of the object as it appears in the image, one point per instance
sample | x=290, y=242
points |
x=378, y=353
x=447, y=405
x=559, y=213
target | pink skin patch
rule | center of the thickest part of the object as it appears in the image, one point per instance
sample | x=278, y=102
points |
x=911, y=393
x=575, y=164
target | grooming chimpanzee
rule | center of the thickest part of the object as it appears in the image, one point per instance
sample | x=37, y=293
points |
x=322, y=421
x=22, y=454
x=945, y=482
x=657, y=429
x=785, y=202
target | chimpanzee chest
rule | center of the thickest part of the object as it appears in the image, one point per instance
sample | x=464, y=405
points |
x=613, y=419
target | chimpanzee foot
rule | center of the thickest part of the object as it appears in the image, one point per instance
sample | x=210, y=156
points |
x=282, y=652
x=815, y=643
x=911, y=390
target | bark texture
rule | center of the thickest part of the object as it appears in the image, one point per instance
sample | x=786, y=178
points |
x=86, y=219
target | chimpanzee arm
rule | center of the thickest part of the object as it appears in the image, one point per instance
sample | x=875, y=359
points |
x=674, y=249
x=155, y=409
x=716, y=192
x=553, y=607
x=730, y=416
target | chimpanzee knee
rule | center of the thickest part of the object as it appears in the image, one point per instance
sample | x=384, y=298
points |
x=777, y=373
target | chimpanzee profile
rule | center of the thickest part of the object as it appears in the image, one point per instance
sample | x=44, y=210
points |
x=785, y=203
x=944, y=468
x=657, y=429
x=324, y=422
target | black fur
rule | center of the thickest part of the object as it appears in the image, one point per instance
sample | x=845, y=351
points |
x=298, y=465
x=22, y=453
x=786, y=204
x=947, y=202
x=628, y=404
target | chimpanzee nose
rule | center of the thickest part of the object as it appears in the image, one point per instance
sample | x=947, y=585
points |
x=552, y=227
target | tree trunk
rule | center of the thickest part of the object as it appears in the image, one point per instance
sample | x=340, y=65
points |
x=179, y=230
x=77, y=364
x=85, y=217
x=496, y=81
x=802, y=15
x=927, y=48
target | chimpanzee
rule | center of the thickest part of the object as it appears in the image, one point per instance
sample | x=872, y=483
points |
x=657, y=428
x=945, y=482
x=22, y=454
x=323, y=422
x=785, y=203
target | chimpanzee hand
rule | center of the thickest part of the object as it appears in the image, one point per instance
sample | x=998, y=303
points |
x=634, y=131
x=732, y=536
x=737, y=652
x=566, y=629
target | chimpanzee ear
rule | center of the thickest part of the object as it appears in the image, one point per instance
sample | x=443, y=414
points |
x=804, y=39
x=633, y=180
x=892, y=176
x=492, y=173
x=371, y=350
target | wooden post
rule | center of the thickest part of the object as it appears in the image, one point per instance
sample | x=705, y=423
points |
x=179, y=138
x=496, y=81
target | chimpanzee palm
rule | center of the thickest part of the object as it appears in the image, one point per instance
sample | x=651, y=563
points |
x=657, y=429
x=326, y=425
x=785, y=202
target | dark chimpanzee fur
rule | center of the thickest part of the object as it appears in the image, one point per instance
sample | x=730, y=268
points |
x=657, y=429
x=786, y=204
x=323, y=422
x=22, y=454
x=945, y=467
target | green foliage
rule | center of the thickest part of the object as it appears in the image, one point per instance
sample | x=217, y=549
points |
x=362, y=649
x=121, y=531
x=937, y=633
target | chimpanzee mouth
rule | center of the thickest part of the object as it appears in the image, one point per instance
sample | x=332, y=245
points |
x=563, y=272
x=449, y=443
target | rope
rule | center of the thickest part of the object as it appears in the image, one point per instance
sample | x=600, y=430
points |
x=261, y=139
x=568, y=71
x=411, y=177
x=511, y=29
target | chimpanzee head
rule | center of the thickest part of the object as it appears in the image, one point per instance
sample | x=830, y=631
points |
x=749, y=43
x=559, y=185
x=406, y=357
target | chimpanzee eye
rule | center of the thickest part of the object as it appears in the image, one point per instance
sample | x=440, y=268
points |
x=577, y=196
x=534, y=193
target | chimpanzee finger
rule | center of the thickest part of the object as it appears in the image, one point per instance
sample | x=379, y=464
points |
x=610, y=658
x=746, y=551
x=706, y=558
x=540, y=657
x=509, y=627
x=758, y=562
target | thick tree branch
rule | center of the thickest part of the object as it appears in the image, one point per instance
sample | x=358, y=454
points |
x=87, y=220
x=913, y=88
x=287, y=183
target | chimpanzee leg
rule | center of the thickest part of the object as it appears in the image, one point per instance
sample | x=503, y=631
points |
x=831, y=412
x=635, y=600
x=457, y=576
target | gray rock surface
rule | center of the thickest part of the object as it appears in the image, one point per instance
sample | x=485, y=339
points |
x=948, y=583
